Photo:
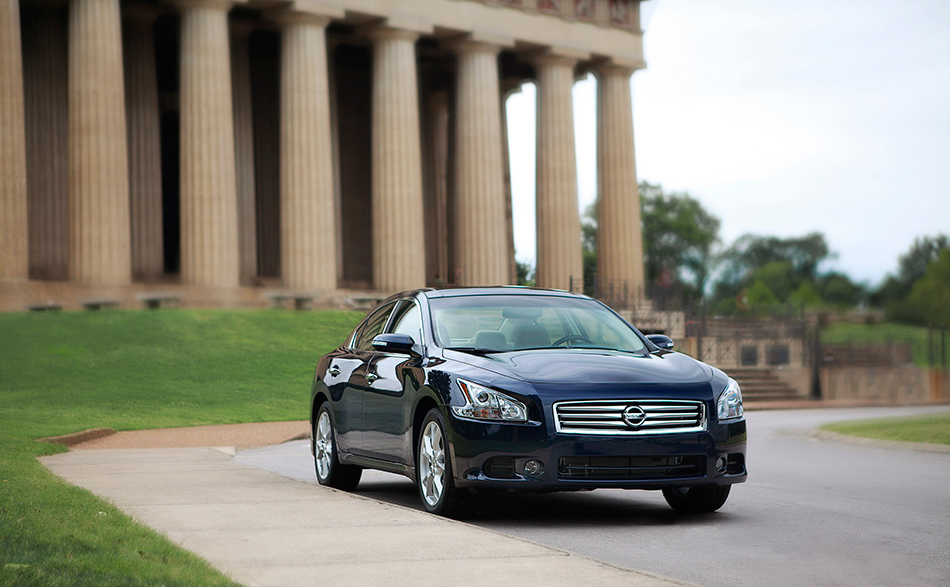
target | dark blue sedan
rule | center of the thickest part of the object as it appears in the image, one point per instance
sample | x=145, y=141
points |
x=471, y=391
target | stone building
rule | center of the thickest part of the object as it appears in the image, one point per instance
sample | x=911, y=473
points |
x=223, y=149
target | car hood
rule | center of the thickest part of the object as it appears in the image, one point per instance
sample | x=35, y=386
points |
x=573, y=366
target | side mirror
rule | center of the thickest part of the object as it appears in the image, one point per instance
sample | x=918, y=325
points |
x=395, y=343
x=665, y=343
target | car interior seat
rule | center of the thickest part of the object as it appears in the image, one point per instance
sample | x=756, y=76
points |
x=531, y=335
x=491, y=339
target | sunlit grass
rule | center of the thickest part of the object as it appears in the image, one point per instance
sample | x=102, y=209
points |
x=65, y=372
x=931, y=428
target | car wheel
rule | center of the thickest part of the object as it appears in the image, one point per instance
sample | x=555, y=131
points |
x=329, y=470
x=701, y=499
x=434, y=471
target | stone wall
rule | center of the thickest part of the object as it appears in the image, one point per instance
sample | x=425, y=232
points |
x=906, y=384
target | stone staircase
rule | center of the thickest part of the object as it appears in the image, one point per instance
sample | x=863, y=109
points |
x=651, y=321
x=762, y=385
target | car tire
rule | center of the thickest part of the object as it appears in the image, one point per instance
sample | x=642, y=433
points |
x=326, y=464
x=434, y=477
x=700, y=499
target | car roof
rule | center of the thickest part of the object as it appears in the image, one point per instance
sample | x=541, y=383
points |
x=450, y=292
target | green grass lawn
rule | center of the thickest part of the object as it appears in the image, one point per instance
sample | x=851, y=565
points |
x=880, y=333
x=932, y=428
x=126, y=370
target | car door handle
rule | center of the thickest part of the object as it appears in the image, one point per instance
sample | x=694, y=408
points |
x=334, y=370
x=371, y=377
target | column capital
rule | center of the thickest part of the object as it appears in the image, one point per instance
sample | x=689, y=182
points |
x=546, y=58
x=617, y=66
x=556, y=56
x=510, y=86
x=304, y=13
x=478, y=42
x=388, y=29
x=469, y=46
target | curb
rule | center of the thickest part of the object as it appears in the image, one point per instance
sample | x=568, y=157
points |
x=78, y=437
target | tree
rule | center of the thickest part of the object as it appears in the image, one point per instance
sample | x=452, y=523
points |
x=782, y=264
x=750, y=251
x=678, y=238
x=525, y=273
x=930, y=295
x=911, y=266
x=837, y=289
x=589, y=244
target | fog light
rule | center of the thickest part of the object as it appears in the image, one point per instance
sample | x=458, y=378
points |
x=721, y=464
x=533, y=468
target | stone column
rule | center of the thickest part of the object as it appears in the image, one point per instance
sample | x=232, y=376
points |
x=98, y=158
x=144, y=144
x=307, y=207
x=619, y=237
x=244, y=150
x=398, y=250
x=437, y=186
x=46, y=108
x=480, y=234
x=558, y=221
x=14, y=261
x=209, y=236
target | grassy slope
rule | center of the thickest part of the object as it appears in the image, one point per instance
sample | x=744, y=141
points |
x=65, y=372
x=880, y=333
x=932, y=428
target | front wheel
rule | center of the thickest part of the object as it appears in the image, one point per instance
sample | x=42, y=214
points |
x=329, y=470
x=700, y=499
x=434, y=471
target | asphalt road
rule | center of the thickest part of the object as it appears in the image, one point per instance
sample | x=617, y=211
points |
x=814, y=512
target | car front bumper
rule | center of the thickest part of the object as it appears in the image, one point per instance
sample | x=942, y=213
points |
x=495, y=456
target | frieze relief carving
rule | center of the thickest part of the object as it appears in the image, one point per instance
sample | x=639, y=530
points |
x=614, y=13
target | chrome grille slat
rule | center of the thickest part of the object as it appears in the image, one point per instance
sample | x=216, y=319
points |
x=605, y=417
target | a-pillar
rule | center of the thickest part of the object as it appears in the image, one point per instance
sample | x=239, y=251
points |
x=99, y=239
x=398, y=250
x=209, y=225
x=307, y=206
x=14, y=262
x=619, y=238
x=144, y=143
x=481, y=241
x=558, y=221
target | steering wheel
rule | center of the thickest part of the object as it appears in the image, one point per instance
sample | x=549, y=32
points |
x=570, y=337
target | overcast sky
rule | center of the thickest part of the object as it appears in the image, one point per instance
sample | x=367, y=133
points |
x=782, y=118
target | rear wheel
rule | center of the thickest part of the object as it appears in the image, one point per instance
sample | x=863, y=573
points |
x=434, y=471
x=329, y=470
x=700, y=499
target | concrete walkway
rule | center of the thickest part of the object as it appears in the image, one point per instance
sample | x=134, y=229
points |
x=266, y=530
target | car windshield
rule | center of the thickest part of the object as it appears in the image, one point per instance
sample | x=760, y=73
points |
x=499, y=323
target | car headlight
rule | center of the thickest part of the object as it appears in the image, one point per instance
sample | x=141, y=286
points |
x=730, y=402
x=482, y=403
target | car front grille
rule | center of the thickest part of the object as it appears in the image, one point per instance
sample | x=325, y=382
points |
x=630, y=417
x=649, y=468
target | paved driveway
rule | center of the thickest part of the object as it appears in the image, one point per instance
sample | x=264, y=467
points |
x=814, y=512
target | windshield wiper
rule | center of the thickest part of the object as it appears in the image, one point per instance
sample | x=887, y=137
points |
x=473, y=350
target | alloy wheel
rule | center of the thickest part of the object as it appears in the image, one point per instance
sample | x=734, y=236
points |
x=324, y=445
x=432, y=464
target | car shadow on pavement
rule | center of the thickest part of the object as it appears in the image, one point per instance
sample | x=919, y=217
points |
x=600, y=508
